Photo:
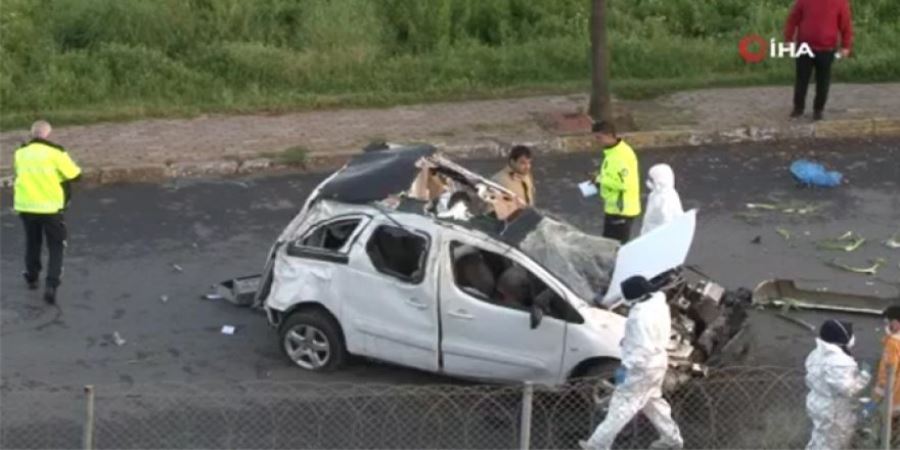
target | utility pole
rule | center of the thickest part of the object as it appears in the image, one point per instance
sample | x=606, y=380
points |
x=601, y=106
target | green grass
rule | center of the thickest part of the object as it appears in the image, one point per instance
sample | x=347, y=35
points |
x=82, y=61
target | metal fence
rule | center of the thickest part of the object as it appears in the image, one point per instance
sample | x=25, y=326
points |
x=732, y=408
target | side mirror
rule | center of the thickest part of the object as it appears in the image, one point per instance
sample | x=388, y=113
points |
x=537, y=315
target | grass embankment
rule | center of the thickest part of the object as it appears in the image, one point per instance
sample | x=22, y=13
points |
x=78, y=61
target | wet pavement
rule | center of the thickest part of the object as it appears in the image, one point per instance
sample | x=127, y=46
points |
x=125, y=239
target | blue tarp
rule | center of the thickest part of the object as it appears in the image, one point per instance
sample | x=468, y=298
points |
x=814, y=174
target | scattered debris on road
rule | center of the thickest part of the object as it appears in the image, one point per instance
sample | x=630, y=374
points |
x=164, y=298
x=240, y=291
x=796, y=321
x=228, y=329
x=783, y=233
x=871, y=270
x=785, y=295
x=757, y=240
x=765, y=206
x=893, y=242
x=117, y=339
x=846, y=242
x=177, y=268
x=213, y=296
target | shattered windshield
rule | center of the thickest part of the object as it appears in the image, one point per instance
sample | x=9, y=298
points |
x=582, y=261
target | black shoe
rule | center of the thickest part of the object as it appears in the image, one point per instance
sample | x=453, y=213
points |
x=796, y=113
x=817, y=115
x=50, y=295
x=31, y=282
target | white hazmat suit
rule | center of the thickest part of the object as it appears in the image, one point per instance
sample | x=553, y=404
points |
x=663, y=203
x=647, y=333
x=834, y=380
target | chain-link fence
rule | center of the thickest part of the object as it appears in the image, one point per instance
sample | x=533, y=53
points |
x=731, y=408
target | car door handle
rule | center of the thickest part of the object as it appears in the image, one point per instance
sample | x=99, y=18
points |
x=416, y=304
x=461, y=314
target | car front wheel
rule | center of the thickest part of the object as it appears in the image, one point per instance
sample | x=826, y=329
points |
x=313, y=341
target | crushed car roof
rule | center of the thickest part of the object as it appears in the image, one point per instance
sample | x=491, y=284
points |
x=376, y=174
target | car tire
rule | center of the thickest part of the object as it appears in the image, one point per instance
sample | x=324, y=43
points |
x=313, y=341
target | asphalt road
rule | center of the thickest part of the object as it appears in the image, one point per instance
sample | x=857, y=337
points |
x=125, y=239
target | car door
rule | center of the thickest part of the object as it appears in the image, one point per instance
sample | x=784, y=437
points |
x=487, y=339
x=388, y=295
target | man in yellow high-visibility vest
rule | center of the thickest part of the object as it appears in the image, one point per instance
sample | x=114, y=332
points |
x=41, y=194
x=619, y=183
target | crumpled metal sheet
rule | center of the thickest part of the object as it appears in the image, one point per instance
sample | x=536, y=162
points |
x=582, y=261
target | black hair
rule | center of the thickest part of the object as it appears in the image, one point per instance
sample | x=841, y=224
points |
x=892, y=312
x=605, y=127
x=519, y=151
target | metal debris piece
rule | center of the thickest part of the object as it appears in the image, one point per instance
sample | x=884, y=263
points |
x=765, y=206
x=847, y=242
x=757, y=240
x=117, y=339
x=228, y=329
x=784, y=233
x=893, y=242
x=213, y=297
x=871, y=270
x=785, y=295
x=163, y=298
x=177, y=268
x=797, y=321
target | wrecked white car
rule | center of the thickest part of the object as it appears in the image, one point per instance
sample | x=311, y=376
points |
x=406, y=257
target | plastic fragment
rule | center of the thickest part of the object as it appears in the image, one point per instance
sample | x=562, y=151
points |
x=177, y=268
x=765, y=206
x=784, y=233
x=228, y=329
x=164, y=298
x=212, y=297
x=871, y=270
x=893, y=242
x=797, y=321
x=117, y=339
x=847, y=242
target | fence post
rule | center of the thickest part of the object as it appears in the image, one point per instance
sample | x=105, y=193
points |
x=89, y=418
x=525, y=423
x=888, y=408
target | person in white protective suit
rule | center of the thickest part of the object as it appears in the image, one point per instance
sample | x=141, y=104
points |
x=663, y=203
x=645, y=361
x=834, y=380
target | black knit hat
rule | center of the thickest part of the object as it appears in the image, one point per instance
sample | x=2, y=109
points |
x=836, y=332
x=636, y=287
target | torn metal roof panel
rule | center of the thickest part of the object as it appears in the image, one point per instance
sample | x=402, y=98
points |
x=376, y=174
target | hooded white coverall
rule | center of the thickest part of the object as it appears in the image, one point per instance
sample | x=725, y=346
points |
x=834, y=380
x=663, y=203
x=647, y=333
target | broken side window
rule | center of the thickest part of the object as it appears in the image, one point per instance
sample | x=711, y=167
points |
x=496, y=279
x=331, y=236
x=327, y=242
x=399, y=253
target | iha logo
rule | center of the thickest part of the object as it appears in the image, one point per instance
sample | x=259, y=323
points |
x=753, y=49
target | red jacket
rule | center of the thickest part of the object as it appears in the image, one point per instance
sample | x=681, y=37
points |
x=818, y=23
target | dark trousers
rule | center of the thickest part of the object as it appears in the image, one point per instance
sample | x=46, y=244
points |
x=37, y=227
x=805, y=65
x=618, y=228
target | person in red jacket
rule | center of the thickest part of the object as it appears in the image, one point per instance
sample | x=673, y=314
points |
x=819, y=24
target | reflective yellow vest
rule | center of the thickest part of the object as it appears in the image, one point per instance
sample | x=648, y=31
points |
x=619, y=180
x=41, y=168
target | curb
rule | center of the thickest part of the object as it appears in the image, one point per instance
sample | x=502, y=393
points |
x=496, y=148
